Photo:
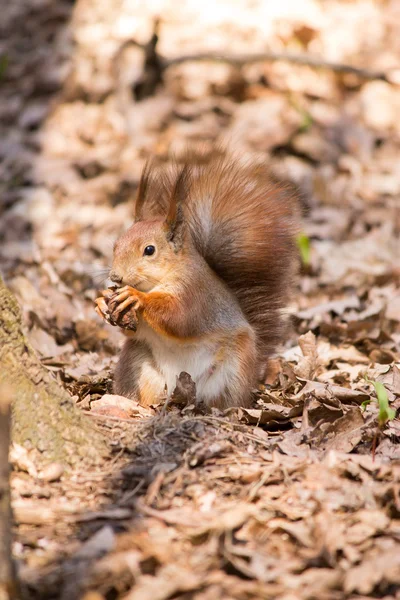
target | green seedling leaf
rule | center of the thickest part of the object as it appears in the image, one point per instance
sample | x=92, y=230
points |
x=385, y=412
x=306, y=122
x=306, y=117
x=365, y=404
x=303, y=244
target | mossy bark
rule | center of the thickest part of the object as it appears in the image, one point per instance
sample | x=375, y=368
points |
x=43, y=416
x=9, y=589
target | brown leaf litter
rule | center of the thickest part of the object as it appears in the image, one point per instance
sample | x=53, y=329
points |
x=284, y=500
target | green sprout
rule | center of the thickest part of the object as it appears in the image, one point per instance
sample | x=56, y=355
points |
x=306, y=117
x=385, y=412
x=306, y=122
x=303, y=244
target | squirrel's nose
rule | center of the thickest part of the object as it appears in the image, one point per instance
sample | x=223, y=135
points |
x=115, y=277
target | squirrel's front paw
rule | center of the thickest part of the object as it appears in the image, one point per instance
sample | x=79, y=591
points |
x=114, y=309
x=102, y=308
x=123, y=298
x=123, y=306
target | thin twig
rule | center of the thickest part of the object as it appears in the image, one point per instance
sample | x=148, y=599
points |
x=240, y=60
x=155, y=65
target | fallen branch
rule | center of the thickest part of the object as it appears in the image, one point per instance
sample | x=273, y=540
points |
x=240, y=60
x=155, y=65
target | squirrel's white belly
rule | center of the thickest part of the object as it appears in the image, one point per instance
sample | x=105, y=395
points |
x=199, y=360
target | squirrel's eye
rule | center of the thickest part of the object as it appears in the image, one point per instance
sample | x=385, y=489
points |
x=149, y=250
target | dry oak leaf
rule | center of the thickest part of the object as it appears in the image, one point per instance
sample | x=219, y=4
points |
x=270, y=413
x=325, y=392
x=170, y=581
x=345, y=433
x=393, y=308
x=308, y=365
x=336, y=306
x=378, y=569
x=119, y=406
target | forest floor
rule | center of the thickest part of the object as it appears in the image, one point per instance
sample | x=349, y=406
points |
x=298, y=497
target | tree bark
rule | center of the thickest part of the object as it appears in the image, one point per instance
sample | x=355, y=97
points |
x=8, y=582
x=44, y=419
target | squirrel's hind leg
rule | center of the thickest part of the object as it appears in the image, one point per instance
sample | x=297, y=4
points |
x=232, y=381
x=136, y=375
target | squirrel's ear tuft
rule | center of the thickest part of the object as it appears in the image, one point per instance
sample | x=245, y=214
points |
x=175, y=217
x=142, y=191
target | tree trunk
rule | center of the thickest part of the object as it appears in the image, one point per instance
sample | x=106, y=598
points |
x=8, y=582
x=44, y=419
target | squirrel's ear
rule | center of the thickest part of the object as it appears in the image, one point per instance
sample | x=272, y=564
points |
x=141, y=193
x=175, y=217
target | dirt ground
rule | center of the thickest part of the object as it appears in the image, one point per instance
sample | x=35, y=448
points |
x=299, y=496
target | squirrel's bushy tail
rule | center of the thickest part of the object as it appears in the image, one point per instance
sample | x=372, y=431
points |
x=244, y=223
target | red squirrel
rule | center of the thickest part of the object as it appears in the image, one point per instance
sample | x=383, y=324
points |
x=202, y=275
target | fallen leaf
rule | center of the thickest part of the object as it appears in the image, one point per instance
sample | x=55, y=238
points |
x=269, y=413
x=170, y=580
x=381, y=568
x=308, y=365
x=393, y=308
x=345, y=433
x=46, y=345
x=114, y=405
x=326, y=392
x=185, y=391
x=338, y=307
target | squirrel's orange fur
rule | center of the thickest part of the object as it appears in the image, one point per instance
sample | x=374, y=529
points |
x=209, y=299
